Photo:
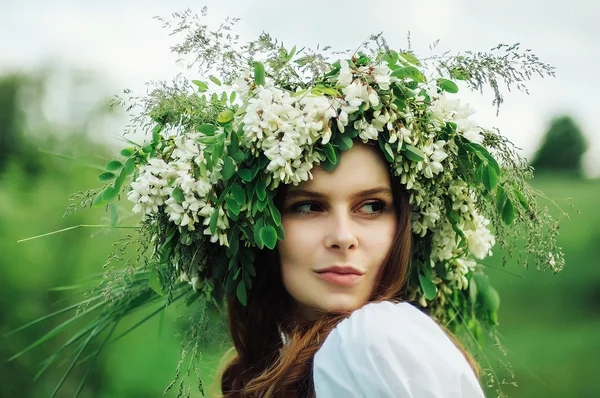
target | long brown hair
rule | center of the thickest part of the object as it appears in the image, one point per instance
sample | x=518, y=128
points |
x=265, y=366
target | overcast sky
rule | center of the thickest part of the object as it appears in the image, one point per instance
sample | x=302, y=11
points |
x=126, y=47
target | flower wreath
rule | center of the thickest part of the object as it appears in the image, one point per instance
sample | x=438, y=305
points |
x=204, y=184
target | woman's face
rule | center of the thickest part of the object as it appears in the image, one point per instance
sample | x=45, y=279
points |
x=339, y=228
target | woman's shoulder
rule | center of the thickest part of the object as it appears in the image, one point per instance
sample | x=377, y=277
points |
x=391, y=349
x=383, y=320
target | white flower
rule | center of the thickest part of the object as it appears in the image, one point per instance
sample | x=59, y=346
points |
x=373, y=97
x=473, y=134
x=436, y=155
x=366, y=131
x=381, y=75
x=345, y=76
x=342, y=121
x=356, y=94
x=551, y=259
x=326, y=135
x=479, y=238
x=150, y=189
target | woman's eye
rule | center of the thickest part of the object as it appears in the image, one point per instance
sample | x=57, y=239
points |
x=374, y=207
x=306, y=208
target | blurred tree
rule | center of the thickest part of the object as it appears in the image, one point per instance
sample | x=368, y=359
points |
x=10, y=117
x=562, y=148
x=14, y=89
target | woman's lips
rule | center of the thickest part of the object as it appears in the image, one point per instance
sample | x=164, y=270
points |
x=340, y=279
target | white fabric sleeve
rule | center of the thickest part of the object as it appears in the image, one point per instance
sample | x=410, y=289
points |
x=391, y=350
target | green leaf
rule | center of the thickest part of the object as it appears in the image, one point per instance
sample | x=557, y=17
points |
x=257, y=228
x=259, y=74
x=350, y=131
x=522, y=200
x=178, y=195
x=214, y=218
x=109, y=194
x=225, y=116
x=207, y=129
x=156, y=133
x=118, y=184
x=275, y=213
x=413, y=153
x=390, y=56
x=215, y=80
x=328, y=166
x=489, y=177
x=246, y=175
x=155, y=284
x=332, y=92
x=280, y=232
x=261, y=190
x=330, y=153
x=261, y=205
x=232, y=97
x=389, y=152
x=453, y=217
x=108, y=176
x=410, y=58
x=447, y=85
x=291, y=54
x=429, y=288
x=344, y=142
x=238, y=156
x=232, y=206
x=508, y=212
x=241, y=293
x=228, y=168
x=98, y=201
x=249, y=267
x=129, y=166
x=492, y=299
x=491, y=161
x=202, y=87
x=472, y=291
x=217, y=153
x=238, y=194
x=411, y=72
x=246, y=277
x=206, y=140
x=234, y=240
x=268, y=236
x=114, y=165
x=500, y=199
x=127, y=152
x=230, y=283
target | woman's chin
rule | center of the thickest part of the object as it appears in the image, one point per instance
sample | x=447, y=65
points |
x=341, y=304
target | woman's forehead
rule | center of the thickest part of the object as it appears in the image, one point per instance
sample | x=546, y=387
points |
x=361, y=168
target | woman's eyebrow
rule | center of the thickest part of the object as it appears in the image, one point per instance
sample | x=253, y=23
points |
x=294, y=193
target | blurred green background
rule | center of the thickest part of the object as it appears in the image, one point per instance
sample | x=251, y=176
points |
x=549, y=323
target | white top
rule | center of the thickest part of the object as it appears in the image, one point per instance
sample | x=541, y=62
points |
x=391, y=350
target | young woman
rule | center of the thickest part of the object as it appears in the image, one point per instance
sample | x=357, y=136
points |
x=326, y=316
x=320, y=199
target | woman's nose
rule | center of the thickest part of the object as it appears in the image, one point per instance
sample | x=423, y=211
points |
x=340, y=234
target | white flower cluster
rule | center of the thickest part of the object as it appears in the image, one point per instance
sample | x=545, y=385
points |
x=444, y=109
x=285, y=127
x=445, y=242
x=153, y=189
